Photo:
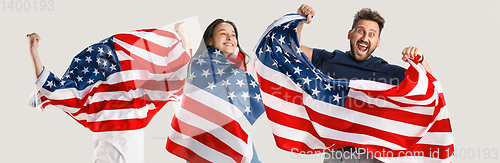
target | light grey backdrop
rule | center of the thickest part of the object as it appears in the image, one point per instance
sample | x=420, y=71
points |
x=459, y=39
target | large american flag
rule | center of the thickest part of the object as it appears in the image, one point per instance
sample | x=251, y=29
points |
x=216, y=94
x=119, y=83
x=312, y=113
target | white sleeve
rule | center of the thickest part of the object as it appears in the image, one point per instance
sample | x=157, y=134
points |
x=34, y=100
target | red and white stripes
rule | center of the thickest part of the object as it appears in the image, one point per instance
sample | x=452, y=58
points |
x=377, y=117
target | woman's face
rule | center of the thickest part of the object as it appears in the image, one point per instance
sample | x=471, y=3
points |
x=224, y=38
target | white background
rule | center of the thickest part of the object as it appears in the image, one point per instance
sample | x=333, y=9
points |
x=459, y=39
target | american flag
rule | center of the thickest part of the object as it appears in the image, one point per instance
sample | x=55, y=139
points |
x=312, y=113
x=216, y=94
x=119, y=83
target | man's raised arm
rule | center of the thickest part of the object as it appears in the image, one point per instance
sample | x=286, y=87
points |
x=305, y=10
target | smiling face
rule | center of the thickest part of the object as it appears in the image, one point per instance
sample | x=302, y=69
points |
x=364, y=39
x=224, y=38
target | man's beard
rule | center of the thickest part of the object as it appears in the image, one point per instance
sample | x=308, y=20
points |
x=368, y=53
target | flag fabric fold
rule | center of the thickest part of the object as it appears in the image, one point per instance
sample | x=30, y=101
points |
x=311, y=112
x=119, y=83
x=216, y=94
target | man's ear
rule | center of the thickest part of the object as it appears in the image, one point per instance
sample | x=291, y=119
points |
x=349, y=34
x=378, y=42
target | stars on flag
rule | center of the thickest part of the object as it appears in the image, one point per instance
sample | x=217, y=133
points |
x=231, y=95
x=319, y=77
x=235, y=71
x=306, y=80
x=227, y=82
x=337, y=98
x=297, y=70
x=113, y=67
x=275, y=63
x=220, y=72
x=206, y=73
x=217, y=53
x=200, y=61
x=191, y=76
x=247, y=109
x=89, y=66
x=257, y=97
x=216, y=61
x=88, y=59
x=289, y=59
x=328, y=86
x=110, y=53
x=278, y=49
x=286, y=26
x=85, y=70
x=281, y=40
x=96, y=72
x=100, y=50
x=253, y=84
x=211, y=85
x=315, y=91
x=89, y=49
x=79, y=78
x=245, y=95
x=99, y=61
x=268, y=49
x=50, y=84
x=240, y=82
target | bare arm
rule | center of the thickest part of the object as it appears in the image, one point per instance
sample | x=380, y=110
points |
x=181, y=29
x=305, y=10
x=33, y=40
x=412, y=52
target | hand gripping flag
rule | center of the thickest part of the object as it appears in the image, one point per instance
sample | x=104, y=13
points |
x=312, y=113
x=118, y=84
x=216, y=94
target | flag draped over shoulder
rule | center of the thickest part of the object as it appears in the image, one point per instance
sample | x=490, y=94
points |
x=119, y=83
x=311, y=112
x=216, y=94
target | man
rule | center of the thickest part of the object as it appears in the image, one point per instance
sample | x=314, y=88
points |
x=358, y=63
x=110, y=106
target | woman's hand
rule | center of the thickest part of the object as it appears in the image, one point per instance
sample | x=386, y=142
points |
x=181, y=30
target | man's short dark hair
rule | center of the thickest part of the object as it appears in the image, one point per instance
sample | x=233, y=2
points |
x=369, y=14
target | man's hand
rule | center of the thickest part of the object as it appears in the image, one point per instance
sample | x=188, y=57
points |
x=33, y=40
x=306, y=10
x=411, y=52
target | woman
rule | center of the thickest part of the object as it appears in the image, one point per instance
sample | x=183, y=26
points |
x=223, y=35
x=217, y=91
